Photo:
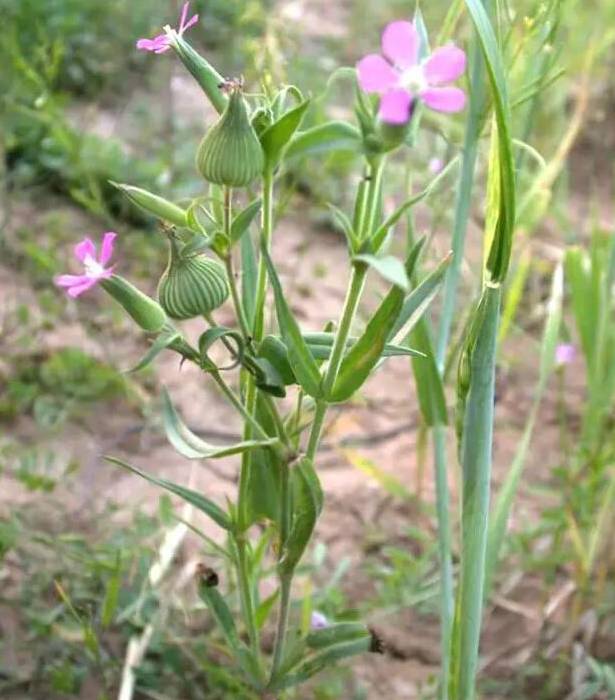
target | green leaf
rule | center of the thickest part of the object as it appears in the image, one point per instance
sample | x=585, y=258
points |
x=276, y=137
x=335, y=634
x=501, y=246
x=325, y=138
x=367, y=351
x=222, y=614
x=303, y=364
x=193, y=447
x=477, y=379
x=241, y=223
x=321, y=343
x=275, y=352
x=264, y=609
x=111, y=599
x=211, y=336
x=429, y=385
x=162, y=341
x=307, y=504
x=196, y=499
x=342, y=220
x=388, y=267
x=419, y=299
x=323, y=659
x=267, y=377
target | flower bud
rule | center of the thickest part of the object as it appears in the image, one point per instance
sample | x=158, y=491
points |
x=154, y=204
x=230, y=153
x=146, y=312
x=192, y=285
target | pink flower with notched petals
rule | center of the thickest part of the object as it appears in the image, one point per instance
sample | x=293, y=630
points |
x=160, y=43
x=399, y=77
x=95, y=269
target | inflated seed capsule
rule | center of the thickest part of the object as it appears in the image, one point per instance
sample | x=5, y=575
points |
x=146, y=312
x=230, y=153
x=192, y=285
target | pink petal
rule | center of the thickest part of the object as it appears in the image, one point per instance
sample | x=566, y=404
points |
x=445, y=65
x=395, y=107
x=106, y=250
x=85, y=249
x=193, y=20
x=70, y=280
x=400, y=44
x=80, y=288
x=182, y=18
x=158, y=44
x=375, y=74
x=447, y=99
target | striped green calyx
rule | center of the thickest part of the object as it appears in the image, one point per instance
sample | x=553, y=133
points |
x=230, y=153
x=192, y=285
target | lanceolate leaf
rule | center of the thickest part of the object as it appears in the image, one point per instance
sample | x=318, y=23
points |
x=367, y=351
x=164, y=340
x=301, y=360
x=277, y=136
x=418, y=301
x=430, y=388
x=193, y=447
x=307, y=504
x=196, y=499
x=389, y=267
x=241, y=223
x=325, y=138
x=499, y=255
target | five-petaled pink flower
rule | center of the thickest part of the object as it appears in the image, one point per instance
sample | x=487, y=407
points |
x=160, y=43
x=399, y=77
x=95, y=269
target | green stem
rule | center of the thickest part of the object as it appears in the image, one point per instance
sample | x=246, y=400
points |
x=228, y=264
x=353, y=295
x=245, y=595
x=447, y=604
x=283, y=614
x=236, y=403
x=462, y=204
x=366, y=218
x=476, y=478
x=257, y=334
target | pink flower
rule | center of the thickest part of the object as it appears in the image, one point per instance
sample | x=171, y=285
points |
x=399, y=77
x=318, y=621
x=95, y=270
x=565, y=354
x=160, y=43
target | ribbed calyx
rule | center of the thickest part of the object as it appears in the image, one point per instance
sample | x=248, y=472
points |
x=230, y=153
x=191, y=285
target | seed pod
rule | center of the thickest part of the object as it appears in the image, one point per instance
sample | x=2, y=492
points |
x=146, y=312
x=192, y=285
x=230, y=153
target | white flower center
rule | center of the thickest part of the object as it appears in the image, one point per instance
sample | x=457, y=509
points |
x=413, y=79
x=92, y=267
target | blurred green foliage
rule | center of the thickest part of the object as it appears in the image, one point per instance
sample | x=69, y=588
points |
x=57, y=386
